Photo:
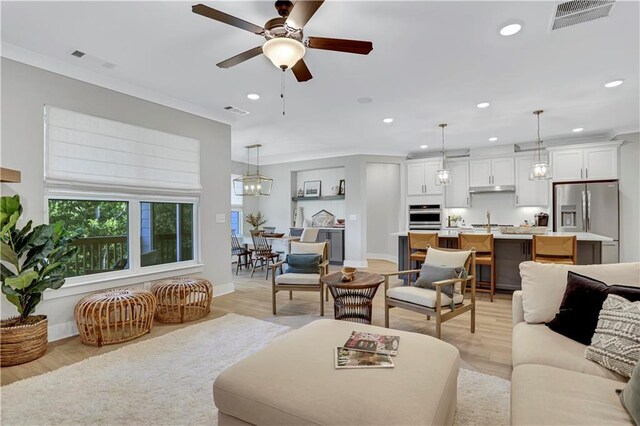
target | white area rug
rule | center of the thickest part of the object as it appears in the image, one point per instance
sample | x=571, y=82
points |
x=168, y=381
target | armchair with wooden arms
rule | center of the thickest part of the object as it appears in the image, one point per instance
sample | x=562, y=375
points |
x=301, y=281
x=434, y=302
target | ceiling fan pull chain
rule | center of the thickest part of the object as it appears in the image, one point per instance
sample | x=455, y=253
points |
x=282, y=88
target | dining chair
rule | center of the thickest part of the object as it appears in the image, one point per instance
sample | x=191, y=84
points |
x=244, y=254
x=262, y=252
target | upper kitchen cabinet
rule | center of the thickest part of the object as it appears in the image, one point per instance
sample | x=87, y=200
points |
x=457, y=192
x=492, y=171
x=529, y=192
x=421, y=178
x=585, y=162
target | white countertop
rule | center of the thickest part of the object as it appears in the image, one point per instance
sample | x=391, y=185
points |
x=581, y=236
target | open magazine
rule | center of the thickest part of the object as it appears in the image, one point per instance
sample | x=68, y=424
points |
x=370, y=342
x=349, y=358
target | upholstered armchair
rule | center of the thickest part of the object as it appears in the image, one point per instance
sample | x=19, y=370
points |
x=306, y=280
x=434, y=302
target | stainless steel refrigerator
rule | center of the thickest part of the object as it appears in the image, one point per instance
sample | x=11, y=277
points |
x=589, y=207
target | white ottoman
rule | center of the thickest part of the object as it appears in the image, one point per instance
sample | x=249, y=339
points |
x=294, y=382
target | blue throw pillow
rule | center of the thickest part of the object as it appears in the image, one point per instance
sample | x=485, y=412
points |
x=432, y=273
x=307, y=263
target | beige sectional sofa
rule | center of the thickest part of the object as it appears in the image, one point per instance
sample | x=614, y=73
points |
x=552, y=382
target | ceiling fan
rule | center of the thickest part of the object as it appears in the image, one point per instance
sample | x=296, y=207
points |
x=285, y=45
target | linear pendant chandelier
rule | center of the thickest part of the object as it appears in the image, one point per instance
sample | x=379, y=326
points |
x=444, y=174
x=539, y=170
x=252, y=185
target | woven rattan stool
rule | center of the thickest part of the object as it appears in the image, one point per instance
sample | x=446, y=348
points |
x=114, y=316
x=182, y=299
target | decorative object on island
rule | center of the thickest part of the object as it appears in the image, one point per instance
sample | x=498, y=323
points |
x=353, y=300
x=322, y=219
x=252, y=184
x=255, y=220
x=540, y=170
x=348, y=273
x=312, y=188
x=33, y=260
x=524, y=230
x=114, y=316
x=182, y=299
x=444, y=173
x=341, y=189
x=285, y=46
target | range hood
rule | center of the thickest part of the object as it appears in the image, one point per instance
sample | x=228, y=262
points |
x=491, y=188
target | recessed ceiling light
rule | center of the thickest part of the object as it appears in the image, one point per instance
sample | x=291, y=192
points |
x=493, y=139
x=483, y=104
x=253, y=96
x=424, y=146
x=510, y=29
x=388, y=120
x=578, y=129
x=614, y=83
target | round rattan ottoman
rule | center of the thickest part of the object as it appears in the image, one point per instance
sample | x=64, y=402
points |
x=115, y=316
x=182, y=299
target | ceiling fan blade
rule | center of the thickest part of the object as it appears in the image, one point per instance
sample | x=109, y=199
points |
x=235, y=60
x=340, y=45
x=208, y=12
x=301, y=71
x=302, y=11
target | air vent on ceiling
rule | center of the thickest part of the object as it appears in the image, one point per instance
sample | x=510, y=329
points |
x=575, y=12
x=236, y=111
x=88, y=59
x=77, y=54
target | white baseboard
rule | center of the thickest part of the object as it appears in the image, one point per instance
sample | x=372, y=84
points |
x=69, y=329
x=382, y=256
x=356, y=263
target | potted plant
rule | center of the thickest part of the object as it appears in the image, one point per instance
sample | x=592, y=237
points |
x=32, y=261
x=255, y=220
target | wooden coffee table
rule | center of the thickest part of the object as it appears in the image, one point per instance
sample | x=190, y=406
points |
x=353, y=300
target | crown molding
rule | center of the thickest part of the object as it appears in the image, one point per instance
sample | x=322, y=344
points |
x=56, y=66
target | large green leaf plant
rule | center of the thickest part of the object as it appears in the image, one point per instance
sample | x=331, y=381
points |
x=32, y=260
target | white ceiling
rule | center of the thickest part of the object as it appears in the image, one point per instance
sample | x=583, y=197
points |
x=432, y=62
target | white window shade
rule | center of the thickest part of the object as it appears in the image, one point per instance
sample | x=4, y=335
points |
x=83, y=150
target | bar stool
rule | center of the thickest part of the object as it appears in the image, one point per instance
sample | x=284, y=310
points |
x=418, y=243
x=555, y=249
x=485, y=255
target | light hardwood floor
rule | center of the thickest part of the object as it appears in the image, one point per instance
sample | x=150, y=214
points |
x=488, y=349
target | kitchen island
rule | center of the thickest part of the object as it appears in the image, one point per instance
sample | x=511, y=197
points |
x=510, y=251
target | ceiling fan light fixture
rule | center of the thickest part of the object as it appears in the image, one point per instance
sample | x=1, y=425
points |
x=283, y=52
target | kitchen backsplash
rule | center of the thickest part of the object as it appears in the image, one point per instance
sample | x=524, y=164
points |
x=502, y=207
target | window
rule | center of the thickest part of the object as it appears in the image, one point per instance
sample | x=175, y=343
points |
x=236, y=210
x=103, y=229
x=166, y=233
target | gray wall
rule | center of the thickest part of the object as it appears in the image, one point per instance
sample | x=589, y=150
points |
x=384, y=204
x=629, y=170
x=25, y=90
x=249, y=204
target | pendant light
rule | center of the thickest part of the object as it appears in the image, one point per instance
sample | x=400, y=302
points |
x=539, y=170
x=444, y=174
x=252, y=184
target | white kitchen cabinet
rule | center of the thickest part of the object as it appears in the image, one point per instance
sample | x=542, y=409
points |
x=529, y=192
x=457, y=192
x=492, y=171
x=421, y=178
x=585, y=162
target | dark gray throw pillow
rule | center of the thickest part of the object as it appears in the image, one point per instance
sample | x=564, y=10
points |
x=306, y=263
x=630, y=395
x=432, y=273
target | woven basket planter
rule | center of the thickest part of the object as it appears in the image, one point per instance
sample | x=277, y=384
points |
x=22, y=343
x=182, y=299
x=114, y=316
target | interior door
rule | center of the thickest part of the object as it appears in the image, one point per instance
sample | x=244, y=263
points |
x=415, y=179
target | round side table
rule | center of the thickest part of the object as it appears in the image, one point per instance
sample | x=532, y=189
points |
x=353, y=300
x=182, y=299
x=114, y=316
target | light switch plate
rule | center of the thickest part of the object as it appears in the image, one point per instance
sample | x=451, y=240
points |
x=353, y=217
x=220, y=218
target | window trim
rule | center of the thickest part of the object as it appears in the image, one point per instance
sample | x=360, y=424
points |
x=134, y=273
